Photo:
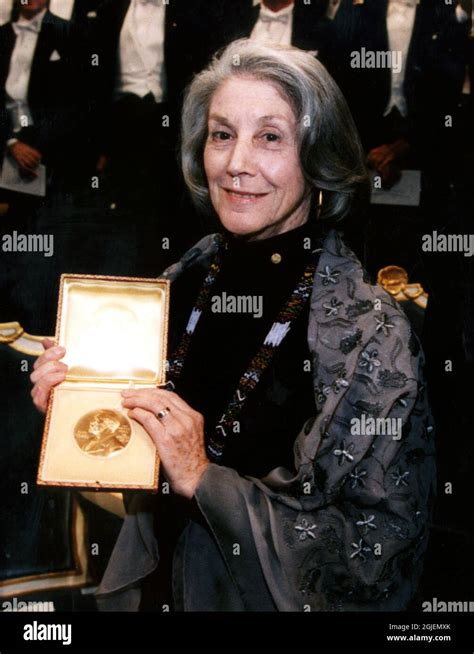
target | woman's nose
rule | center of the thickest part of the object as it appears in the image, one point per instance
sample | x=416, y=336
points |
x=242, y=159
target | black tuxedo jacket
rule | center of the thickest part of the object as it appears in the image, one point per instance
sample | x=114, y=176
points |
x=434, y=65
x=84, y=10
x=54, y=89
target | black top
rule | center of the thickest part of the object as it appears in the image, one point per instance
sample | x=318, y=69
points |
x=221, y=348
x=226, y=340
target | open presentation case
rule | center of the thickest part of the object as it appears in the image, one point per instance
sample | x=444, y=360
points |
x=114, y=330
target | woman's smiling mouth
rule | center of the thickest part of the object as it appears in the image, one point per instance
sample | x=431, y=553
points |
x=241, y=196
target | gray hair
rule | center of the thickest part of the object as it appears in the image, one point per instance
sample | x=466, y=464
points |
x=331, y=155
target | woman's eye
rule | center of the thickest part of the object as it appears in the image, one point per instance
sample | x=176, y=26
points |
x=270, y=137
x=220, y=135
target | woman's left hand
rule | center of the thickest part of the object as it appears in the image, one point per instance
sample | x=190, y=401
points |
x=178, y=435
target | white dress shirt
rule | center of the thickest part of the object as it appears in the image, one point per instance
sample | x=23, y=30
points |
x=141, y=50
x=16, y=86
x=6, y=7
x=333, y=6
x=400, y=21
x=461, y=15
x=273, y=26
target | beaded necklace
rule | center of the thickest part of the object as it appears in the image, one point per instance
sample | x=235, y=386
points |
x=260, y=362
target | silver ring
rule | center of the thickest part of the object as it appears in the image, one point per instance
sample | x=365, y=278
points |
x=162, y=413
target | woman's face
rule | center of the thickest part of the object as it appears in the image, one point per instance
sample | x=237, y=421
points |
x=251, y=160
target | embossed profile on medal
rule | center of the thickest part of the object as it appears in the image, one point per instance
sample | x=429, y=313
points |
x=103, y=433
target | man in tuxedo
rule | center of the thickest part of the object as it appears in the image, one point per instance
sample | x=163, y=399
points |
x=398, y=110
x=39, y=90
x=148, y=51
x=286, y=22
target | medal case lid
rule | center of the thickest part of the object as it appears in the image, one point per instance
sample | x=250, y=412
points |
x=114, y=329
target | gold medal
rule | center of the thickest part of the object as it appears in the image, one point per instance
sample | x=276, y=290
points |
x=102, y=433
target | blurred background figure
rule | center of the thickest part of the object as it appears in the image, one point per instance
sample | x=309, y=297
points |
x=391, y=102
x=148, y=50
x=284, y=22
x=400, y=105
x=41, y=95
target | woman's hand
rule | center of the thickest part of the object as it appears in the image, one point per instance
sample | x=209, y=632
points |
x=178, y=436
x=48, y=371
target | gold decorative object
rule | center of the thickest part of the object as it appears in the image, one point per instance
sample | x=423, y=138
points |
x=394, y=279
x=102, y=433
x=10, y=331
x=276, y=258
x=13, y=334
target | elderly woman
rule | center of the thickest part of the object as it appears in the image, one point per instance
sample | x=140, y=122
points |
x=296, y=448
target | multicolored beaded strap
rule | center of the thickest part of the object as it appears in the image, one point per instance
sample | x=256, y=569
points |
x=177, y=361
x=249, y=380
